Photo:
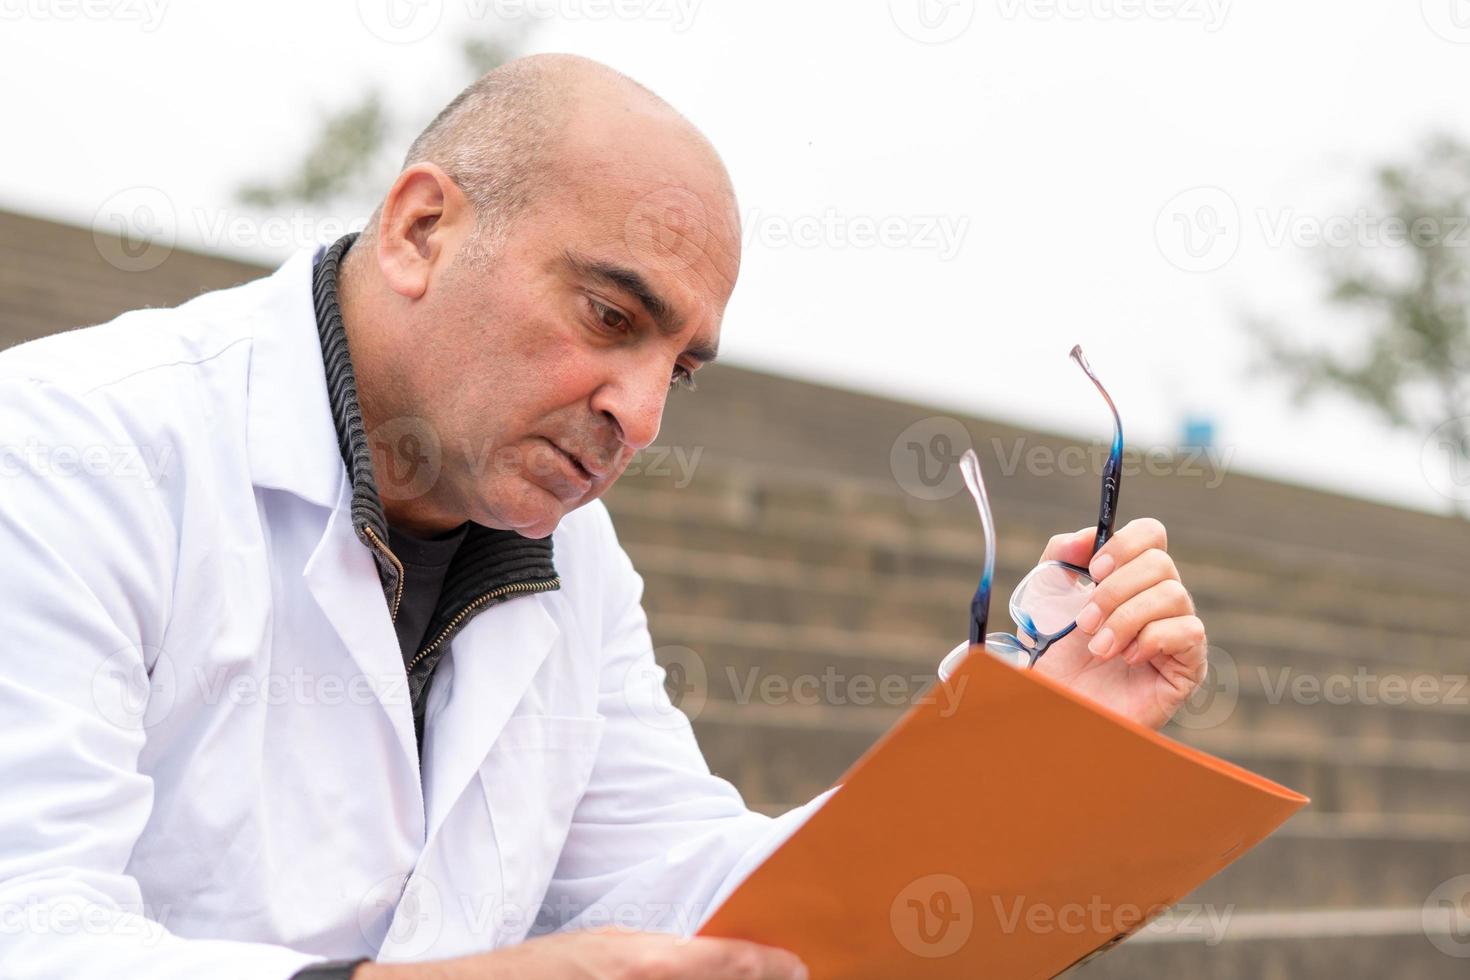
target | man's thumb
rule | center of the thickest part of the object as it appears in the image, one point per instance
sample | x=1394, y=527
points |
x=1074, y=548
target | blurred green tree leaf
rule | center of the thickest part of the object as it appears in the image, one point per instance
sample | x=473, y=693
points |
x=359, y=146
x=1410, y=284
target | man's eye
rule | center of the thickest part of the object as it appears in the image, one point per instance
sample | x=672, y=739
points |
x=683, y=378
x=609, y=318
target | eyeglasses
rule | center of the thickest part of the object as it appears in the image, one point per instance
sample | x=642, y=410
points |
x=1046, y=603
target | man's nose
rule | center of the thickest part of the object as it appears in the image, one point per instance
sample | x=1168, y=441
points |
x=633, y=403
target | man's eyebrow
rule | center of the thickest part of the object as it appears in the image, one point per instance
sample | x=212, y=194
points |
x=702, y=352
x=632, y=282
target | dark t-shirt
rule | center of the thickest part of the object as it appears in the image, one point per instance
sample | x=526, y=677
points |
x=425, y=562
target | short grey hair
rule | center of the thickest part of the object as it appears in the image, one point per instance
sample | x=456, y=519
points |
x=492, y=140
x=496, y=138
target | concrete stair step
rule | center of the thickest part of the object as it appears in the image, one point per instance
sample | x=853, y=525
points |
x=743, y=591
x=1309, y=705
x=779, y=753
x=1335, y=861
x=1382, y=943
x=743, y=418
x=771, y=663
x=760, y=496
x=1343, y=861
x=947, y=560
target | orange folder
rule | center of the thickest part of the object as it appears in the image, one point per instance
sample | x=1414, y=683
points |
x=1005, y=827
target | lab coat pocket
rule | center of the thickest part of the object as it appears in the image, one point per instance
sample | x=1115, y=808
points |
x=533, y=779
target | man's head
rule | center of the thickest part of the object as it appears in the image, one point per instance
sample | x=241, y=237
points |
x=556, y=253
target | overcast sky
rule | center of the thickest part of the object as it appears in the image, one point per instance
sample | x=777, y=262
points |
x=941, y=196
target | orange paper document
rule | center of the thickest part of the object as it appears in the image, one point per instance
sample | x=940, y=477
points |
x=1005, y=827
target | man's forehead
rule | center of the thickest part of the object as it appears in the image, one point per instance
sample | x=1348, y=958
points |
x=648, y=205
x=664, y=196
x=681, y=230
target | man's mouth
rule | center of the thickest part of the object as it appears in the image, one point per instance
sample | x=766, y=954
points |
x=588, y=468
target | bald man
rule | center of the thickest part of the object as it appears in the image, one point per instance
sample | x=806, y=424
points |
x=383, y=464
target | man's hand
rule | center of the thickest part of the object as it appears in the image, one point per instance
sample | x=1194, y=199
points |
x=1138, y=648
x=605, y=954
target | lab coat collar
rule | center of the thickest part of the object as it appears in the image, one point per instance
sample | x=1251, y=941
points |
x=292, y=438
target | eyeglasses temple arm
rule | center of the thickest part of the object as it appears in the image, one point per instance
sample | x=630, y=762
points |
x=1112, y=479
x=980, y=604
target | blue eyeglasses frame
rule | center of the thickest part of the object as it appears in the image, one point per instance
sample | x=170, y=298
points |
x=1112, y=479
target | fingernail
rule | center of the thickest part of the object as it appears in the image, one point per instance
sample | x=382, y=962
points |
x=1101, y=567
x=1089, y=618
x=1101, y=643
x=800, y=973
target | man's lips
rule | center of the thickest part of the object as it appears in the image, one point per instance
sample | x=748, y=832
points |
x=589, y=464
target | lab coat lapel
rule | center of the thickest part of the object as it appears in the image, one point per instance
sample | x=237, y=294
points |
x=294, y=448
x=341, y=577
x=494, y=661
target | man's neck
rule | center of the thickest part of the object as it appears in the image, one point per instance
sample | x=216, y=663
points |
x=393, y=428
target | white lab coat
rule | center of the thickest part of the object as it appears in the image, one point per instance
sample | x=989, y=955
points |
x=207, y=753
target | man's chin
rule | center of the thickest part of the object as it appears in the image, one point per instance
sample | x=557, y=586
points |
x=534, y=514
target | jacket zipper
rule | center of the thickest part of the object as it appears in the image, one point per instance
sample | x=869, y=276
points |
x=545, y=585
x=398, y=565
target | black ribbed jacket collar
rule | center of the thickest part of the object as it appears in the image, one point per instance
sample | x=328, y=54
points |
x=487, y=561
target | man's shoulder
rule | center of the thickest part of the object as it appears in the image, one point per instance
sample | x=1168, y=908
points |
x=135, y=344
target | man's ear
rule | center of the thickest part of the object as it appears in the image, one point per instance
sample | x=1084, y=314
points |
x=424, y=219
